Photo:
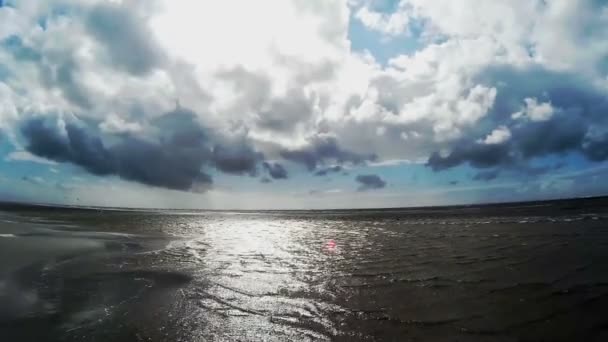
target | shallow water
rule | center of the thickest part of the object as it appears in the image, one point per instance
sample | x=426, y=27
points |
x=532, y=272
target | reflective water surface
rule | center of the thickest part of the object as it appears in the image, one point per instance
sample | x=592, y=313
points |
x=533, y=272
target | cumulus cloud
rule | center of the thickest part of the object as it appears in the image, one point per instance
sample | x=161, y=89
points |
x=477, y=155
x=567, y=122
x=275, y=170
x=236, y=158
x=391, y=24
x=321, y=150
x=173, y=160
x=126, y=39
x=534, y=111
x=498, y=136
x=370, y=182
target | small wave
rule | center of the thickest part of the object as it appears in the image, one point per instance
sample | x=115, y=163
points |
x=8, y=236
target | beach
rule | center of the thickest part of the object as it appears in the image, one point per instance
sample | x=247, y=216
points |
x=511, y=272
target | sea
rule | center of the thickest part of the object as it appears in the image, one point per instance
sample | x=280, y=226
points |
x=534, y=271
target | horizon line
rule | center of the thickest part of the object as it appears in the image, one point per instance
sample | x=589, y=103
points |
x=50, y=206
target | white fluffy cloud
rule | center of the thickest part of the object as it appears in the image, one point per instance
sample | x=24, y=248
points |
x=535, y=111
x=391, y=24
x=498, y=136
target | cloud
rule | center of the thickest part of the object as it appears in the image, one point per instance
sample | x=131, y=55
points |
x=284, y=113
x=561, y=135
x=322, y=149
x=15, y=46
x=174, y=161
x=63, y=143
x=114, y=124
x=328, y=170
x=392, y=24
x=567, y=121
x=596, y=147
x=370, y=182
x=477, y=155
x=236, y=158
x=275, y=170
x=25, y=156
x=125, y=36
x=319, y=192
x=498, y=136
x=66, y=78
x=534, y=111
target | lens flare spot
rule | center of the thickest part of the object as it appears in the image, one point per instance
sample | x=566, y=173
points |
x=330, y=246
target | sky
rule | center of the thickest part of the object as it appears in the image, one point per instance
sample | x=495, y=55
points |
x=302, y=104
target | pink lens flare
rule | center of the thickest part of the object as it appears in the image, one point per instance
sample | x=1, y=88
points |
x=331, y=246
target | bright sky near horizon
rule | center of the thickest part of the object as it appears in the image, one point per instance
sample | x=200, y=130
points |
x=302, y=103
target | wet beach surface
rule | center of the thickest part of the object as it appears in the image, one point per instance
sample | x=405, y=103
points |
x=517, y=272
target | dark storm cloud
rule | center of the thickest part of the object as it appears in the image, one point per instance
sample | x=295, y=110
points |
x=238, y=158
x=579, y=109
x=370, y=182
x=323, y=149
x=562, y=133
x=45, y=139
x=164, y=165
x=127, y=40
x=174, y=160
x=328, y=170
x=478, y=155
x=275, y=170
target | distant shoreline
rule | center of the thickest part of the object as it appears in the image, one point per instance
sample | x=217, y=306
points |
x=23, y=206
